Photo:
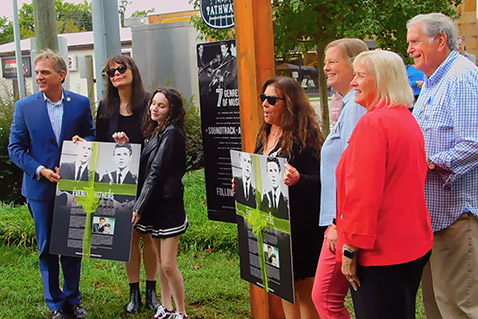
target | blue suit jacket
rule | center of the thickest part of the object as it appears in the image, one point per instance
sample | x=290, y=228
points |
x=33, y=143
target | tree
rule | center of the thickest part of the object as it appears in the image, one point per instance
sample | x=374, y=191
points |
x=141, y=13
x=308, y=24
x=6, y=30
x=70, y=18
x=389, y=26
x=123, y=5
x=73, y=17
x=27, y=22
x=206, y=31
x=313, y=24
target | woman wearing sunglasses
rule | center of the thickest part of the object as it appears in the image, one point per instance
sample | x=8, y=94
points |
x=119, y=118
x=290, y=130
x=330, y=286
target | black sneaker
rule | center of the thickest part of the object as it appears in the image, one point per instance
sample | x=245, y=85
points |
x=77, y=311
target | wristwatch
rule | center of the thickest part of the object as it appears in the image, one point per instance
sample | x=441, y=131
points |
x=349, y=253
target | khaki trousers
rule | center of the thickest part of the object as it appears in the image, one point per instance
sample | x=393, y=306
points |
x=450, y=278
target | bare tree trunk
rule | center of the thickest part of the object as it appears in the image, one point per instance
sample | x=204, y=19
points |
x=324, y=100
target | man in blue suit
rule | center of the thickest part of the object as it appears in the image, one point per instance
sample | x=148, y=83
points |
x=41, y=123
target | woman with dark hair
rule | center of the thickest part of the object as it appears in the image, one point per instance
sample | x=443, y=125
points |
x=159, y=209
x=125, y=101
x=119, y=118
x=290, y=130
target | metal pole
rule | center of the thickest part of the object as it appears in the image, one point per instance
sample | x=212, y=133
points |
x=18, y=50
x=106, y=36
x=112, y=27
x=100, y=46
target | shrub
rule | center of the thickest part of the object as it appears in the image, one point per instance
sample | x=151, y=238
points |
x=17, y=226
x=204, y=233
x=10, y=174
x=194, y=150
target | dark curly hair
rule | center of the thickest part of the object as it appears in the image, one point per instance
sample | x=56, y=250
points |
x=299, y=127
x=111, y=99
x=175, y=115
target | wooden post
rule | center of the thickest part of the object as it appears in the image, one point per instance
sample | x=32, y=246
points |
x=255, y=58
x=44, y=13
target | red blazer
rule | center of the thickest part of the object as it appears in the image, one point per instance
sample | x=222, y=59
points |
x=381, y=205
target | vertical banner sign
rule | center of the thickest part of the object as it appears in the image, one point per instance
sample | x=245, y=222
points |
x=221, y=125
x=218, y=14
x=263, y=223
x=94, y=200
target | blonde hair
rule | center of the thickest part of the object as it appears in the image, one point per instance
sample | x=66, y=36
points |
x=391, y=80
x=350, y=48
x=58, y=62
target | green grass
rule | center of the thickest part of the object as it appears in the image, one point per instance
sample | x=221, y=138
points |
x=212, y=284
x=17, y=227
x=208, y=261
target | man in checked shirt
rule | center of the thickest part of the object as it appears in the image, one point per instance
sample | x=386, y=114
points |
x=447, y=112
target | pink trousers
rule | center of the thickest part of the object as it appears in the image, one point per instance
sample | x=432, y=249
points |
x=330, y=287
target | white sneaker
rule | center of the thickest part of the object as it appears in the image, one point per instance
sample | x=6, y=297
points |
x=180, y=316
x=163, y=313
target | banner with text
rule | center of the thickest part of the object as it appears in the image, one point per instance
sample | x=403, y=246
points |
x=94, y=200
x=221, y=127
x=263, y=223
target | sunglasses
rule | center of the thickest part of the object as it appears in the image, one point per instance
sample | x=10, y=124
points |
x=270, y=99
x=121, y=69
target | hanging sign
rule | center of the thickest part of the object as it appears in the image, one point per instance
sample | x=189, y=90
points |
x=218, y=14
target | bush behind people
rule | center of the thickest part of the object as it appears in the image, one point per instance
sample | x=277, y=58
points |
x=11, y=176
x=17, y=228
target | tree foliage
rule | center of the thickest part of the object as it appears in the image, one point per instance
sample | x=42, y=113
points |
x=70, y=18
x=389, y=26
x=73, y=17
x=309, y=24
x=205, y=31
x=6, y=30
x=141, y=13
x=122, y=6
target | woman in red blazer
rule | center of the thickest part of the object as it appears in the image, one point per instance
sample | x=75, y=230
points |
x=382, y=219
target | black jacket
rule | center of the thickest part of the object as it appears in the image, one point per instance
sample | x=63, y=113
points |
x=105, y=127
x=163, y=164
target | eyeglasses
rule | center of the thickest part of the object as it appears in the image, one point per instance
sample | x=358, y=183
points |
x=121, y=69
x=270, y=99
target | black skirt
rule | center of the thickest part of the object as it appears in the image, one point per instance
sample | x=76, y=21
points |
x=164, y=218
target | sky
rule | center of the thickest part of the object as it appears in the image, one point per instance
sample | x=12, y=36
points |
x=160, y=6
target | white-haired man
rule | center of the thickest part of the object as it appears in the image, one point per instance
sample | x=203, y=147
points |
x=447, y=112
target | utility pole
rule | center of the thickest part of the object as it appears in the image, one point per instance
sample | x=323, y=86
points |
x=106, y=34
x=18, y=51
x=44, y=13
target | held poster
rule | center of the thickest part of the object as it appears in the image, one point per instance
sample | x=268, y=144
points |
x=94, y=200
x=221, y=127
x=262, y=206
